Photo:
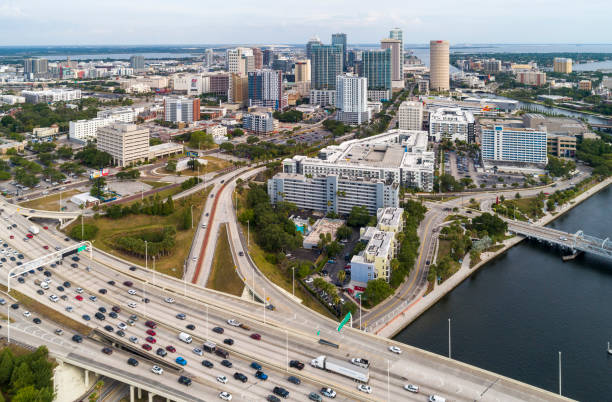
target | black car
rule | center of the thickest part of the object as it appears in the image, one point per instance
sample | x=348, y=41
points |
x=146, y=300
x=161, y=352
x=280, y=391
x=190, y=326
x=100, y=316
x=132, y=362
x=60, y=288
x=64, y=297
x=207, y=363
x=112, y=314
x=109, y=328
x=296, y=364
x=36, y=321
x=47, y=274
x=184, y=380
x=112, y=283
x=228, y=341
x=86, y=317
x=116, y=309
x=226, y=363
x=75, y=258
x=74, y=265
x=20, y=280
x=39, y=269
x=240, y=377
x=14, y=306
x=67, y=239
x=133, y=268
x=102, y=291
x=294, y=380
x=107, y=351
x=218, y=330
x=102, y=309
x=120, y=333
x=67, y=284
x=77, y=338
x=40, y=292
x=272, y=398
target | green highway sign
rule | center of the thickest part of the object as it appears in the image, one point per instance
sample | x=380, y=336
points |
x=344, y=321
x=81, y=248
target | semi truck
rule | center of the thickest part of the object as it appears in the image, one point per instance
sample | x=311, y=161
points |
x=341, y=367
x=34, y=230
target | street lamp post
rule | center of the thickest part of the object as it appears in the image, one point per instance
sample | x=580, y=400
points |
x=192, y=216
x=153, y=270
x=82, y=229
x=293, y=280
x=449, y=338
x=248, y=234
x=144, y=283
x=559, y=372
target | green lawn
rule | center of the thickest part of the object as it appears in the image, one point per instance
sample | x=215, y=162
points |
x=50, y=202
x=155, y=184
x=223, y=276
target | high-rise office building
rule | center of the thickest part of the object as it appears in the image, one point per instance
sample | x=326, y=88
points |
x=239, y=89
x=509, y=144
x=377, y=68
x=396, y=57
x=313, y=41
x=179, y=109
x=352, y=57
x=302, y=70
x=239, y=60
x=257, y=58
x=439, y=61
x=397, y=33
x=35, y=66
x=137, y=62
x=268, y=57
x=266, y=89
x=352, y=99
x=326, y=65
x=340, y=39
x=562, y=65
x=410, y=115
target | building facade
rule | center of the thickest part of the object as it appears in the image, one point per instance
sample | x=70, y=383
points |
x=35, y=66
x=257, y=58
x=397, y=33
x=562, y=65
x=137, y=62
x=126, y=143
x=340, y=39
x=439, y=61
x=452, y=124
x=410, y=115
x=352, y=99
x=535, y=78
x=239, y=60
x=376, y=67
x=265, y=88
x=314, y=41
x=561, y=146
x=51, y=95
x=322, y=97
x=326, y=65
x=396, y=57
x=302, y=71
x=258, y=123
x=181, y=110
x=87, y=130
x=508, y=144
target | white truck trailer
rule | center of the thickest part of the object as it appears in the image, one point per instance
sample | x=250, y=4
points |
x=341, y=367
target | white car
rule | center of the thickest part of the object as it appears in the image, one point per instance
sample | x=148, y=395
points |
x=79, y=290
x=197, y=351
x=132, y=305
x=132, y=291
x=157, y=370
x=308, y=280
x=395, y=350
x=226, y=396
x=328, y=392
x=222, y=379
x=27, y=314
x=122, y=326
x=364, y=388
x=59, y=331
x=412, y=388
x=169, y=300
x=233, y=323
x=133, y=339
x=69, y=309
x=53, y=298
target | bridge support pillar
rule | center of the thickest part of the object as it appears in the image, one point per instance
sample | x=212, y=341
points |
x=139, y=393
x=131, y=393
x=86, y=378
x=151, y=396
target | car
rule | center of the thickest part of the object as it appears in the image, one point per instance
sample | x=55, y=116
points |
x=36, y=321
x=395, y=350
x=107, y=351
x=171, y=349
x=69, y=309
x=256, y=366
x=59, y=331
x=198, y=351
x=79, y=290
x=412, y=388
x=67, y=284
x=272, y=398
x=364, y=388
x=270, y=307
x=77, y=338
x=207, y=363
x=157, y=370
x=226, y=396
x=222, y=379
x=109, y=328
x=184, y=380
x=128, y=283
x=226, y=363
x=102, y=309
x=112, y=314
x=112, y=283
x=313, y=396
x=120, y=333
x=40, y=292
x=20, y=280
x=169, y=300
x=190, y=326
x=133, y=339
x=257, y=337
x=46, y=247
x=357, y=361
x=294, y=380
x=131, y=292
x=146, y=346
x=131, y=322
x=66, y=239
x=218, y=330
x=180, y=360
x=146, y=300
x=150, y=332
x=241, y=253
x=328, y=392
x=134, y=317
x=14, y=306
x=280, y=391
x=102, y=291
x=132, y=362
x=233, y=323
x=116, y=309
x=240, y=377
x=100, y=316
x=12, y=237
x=150, y=324
x=296, y=364
x=46, y=273
x=74, y=265
x=27, y=314
x=261, y=375
x=150, y=339
x=133, y=268
x=181, y=316
x=132, y=305
x=228, y=341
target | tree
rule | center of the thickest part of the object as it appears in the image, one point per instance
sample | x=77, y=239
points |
x=227, y=146
x=376, y=291
x=333, y=248
x=186, y=219
x=171, y=165
x=199, y=140
x=251, y=139
x=97, y=187
x=64, y=152
x=341, y=276
x=6, y=366
x=344, y=232
x=237, y=133
x=88, y=231
x=91, y=157
x=359, y=216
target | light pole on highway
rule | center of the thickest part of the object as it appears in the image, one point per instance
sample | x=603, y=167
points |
x=559, y=372
x=293, y=279
x=192, y=216
x=449, y=338
x=153, y=270
x=360, y=311
x=144, y=283
x=248, y=234
x=82, y=229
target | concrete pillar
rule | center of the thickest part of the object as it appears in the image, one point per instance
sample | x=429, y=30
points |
x=86, y=378
x=151, y=396
x=131, y=393
x=139, y=393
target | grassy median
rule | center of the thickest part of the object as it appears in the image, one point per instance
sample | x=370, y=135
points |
x=50, y=202
x=223, y=276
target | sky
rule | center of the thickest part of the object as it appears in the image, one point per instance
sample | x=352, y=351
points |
x=150, y=22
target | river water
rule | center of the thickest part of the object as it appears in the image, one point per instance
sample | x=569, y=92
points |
x=515, y=314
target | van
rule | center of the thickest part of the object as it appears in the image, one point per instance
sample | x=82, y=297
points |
x=436, y=398
x=185, y=337
x=222, y=352
x=44, y=285
x=210, y=347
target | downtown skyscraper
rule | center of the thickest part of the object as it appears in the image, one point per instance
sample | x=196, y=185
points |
x=326, y=65
x=340, y=39
x=377, y=68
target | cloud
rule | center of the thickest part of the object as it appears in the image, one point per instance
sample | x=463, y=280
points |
x=9, y=10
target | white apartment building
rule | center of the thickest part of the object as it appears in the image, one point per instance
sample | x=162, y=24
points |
x=352, y=99
x=515, y=145
x=410, y=115
x=258, y=122
x=451, y=123
x=399, y=156
x=122, y=114
x=322, y=97
x=51, y=95
x=86, y=130
x=379, y=95
x=126, y=143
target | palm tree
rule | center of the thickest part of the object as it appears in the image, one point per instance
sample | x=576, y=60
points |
x=341, y=276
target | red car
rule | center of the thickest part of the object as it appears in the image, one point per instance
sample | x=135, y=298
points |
x=116, y=309
x=79, y=297
x=151, y=332
x=170, y=348
x=151, y=324
x=146, y=346
x=45, y=227
x=256, y=337
x=12, y=237
x=150, y=339
x=29, y=235
x=46, y=247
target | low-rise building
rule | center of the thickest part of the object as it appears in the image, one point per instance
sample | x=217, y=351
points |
x=126, y=143
x=51, y=95
x=379, y=95
x=322, y=226
x=87, y=130
x=561, y=145
x=375, y=261
x=323, y=97
x=452, y=124
x=43, y=132
x=164, y=150
x=585, y=85
x=258, y=122
x=534, y=78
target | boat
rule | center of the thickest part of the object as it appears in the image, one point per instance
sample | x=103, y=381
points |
x=609, y=349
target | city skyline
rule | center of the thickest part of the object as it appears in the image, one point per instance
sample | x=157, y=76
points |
x=189, y=22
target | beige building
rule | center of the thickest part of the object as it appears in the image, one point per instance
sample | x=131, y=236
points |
x=562, y=65
x=396, y=57
x=239, y=89
x=45, y=131
x=561, y=145
x=126, y=143
x=585, y=85
x=302, y=71
x=439, y=61
x=410, y=115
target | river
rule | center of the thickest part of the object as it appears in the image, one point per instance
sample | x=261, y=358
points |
x=515, y=314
